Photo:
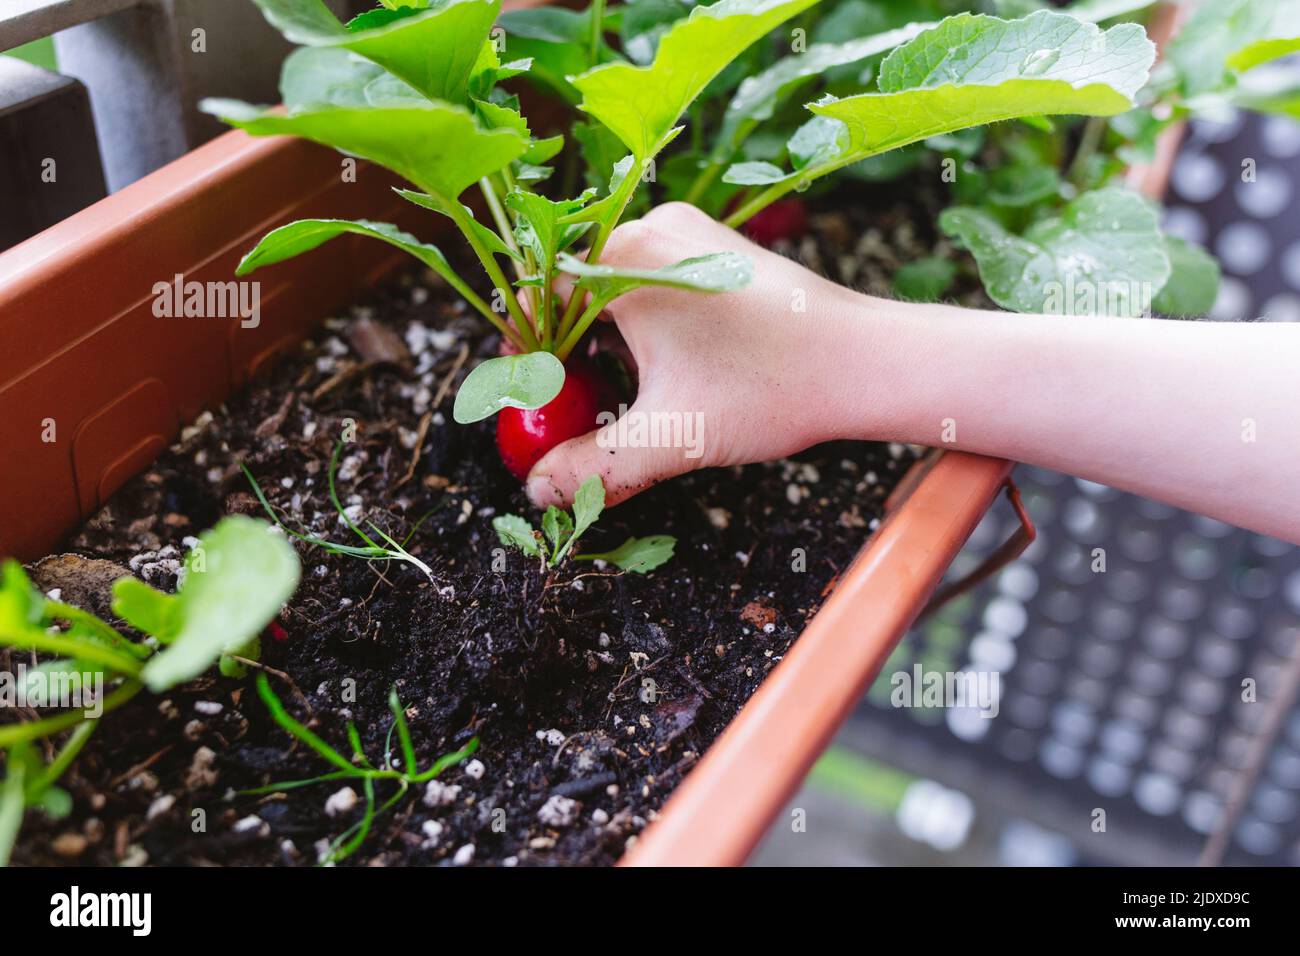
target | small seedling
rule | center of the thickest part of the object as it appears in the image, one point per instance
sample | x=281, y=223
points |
x=561, y=531
x=225, y=599
x=359, y=768
x=371, y=550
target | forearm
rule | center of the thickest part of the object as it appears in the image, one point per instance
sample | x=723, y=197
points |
x=1205, y=416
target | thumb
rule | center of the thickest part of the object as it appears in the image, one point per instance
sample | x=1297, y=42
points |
x=626, y=467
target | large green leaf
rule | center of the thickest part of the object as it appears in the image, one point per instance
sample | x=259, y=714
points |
x=641, y=104
x=525, y=381
x=758, y=96
x=557, y=41
x=1193, y=281
x=718, y=272
x=1231, y=35
x=971, y=70
x=246, y=574
x=306, y=234
x=434, y=50
x=439, y=147
x=1104, y=254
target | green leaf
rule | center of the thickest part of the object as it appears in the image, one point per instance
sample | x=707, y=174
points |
x=514, y=532
x=639, y=555
x=1022, y=184
x=718, y=272
x=588, y=503
x=557, y=526
x=641, y=104
x=488, y=237
x=555, y=40
x=147, y=609
x=1232, y=35
x=1103, y=255
x=598, y=210
x=1193, y=281
x=433, y=50
x=437, y=146
x=539, y=228
x=20, y=603
x=316, y=77
x=306, y=234
x=758, y=96
x=972, y=70
x=924, y=280
x=237, y=579
x=525, y=381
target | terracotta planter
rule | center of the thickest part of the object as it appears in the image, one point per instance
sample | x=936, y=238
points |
x=85, y=354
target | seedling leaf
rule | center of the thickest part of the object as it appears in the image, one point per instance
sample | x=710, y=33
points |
x=510, y=381
x=248, y=574
x=147, y=609
x=557, y=526
x=638, y=555
x=515, y=532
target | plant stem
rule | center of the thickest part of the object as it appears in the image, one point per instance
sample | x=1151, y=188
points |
x=498, y=279
x=75, y=615
x=73, y=648
x=12, y=733
x=597, y=30
x=707, y=177
x=584, y=322
x=1093, y=130
x=66, y=755
x=625, y=190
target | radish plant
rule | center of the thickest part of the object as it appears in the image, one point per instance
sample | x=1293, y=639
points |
x=236, y=579
x=561, y=531
x=424, y=89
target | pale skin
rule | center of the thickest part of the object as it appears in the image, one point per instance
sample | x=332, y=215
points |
x=1202, y=415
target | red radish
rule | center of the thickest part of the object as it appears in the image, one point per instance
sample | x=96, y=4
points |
x=784, y=219
x=523, y=437
x=276, y=632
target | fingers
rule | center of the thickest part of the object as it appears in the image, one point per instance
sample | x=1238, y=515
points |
x=625, y=468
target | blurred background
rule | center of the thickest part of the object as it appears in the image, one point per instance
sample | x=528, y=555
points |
x=1121, y=691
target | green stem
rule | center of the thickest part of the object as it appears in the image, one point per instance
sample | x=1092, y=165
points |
x=498, y=279
x=625, y=190
x=575, y=334
x=707, y=177
x=71, y=647
x=597, y=29
x=75, y=615
x=1093, y=131
x=13, y=733
x=66, y=755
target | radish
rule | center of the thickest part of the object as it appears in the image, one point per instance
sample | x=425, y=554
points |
x=525, y=435
x=784, y=219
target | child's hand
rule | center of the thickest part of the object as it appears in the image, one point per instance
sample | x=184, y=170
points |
x=725, y=379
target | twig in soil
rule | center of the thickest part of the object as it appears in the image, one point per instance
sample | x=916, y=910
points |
x=420, y=435
x=445, y=386
x=142, y=766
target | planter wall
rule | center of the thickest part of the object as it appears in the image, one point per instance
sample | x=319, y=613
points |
x=84, y=351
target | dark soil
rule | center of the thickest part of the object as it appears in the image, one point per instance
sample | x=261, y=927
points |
x=550, y=674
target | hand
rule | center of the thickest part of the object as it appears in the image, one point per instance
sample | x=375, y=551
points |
x=742, y=376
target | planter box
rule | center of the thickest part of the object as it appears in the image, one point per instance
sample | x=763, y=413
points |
x=84, y=358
